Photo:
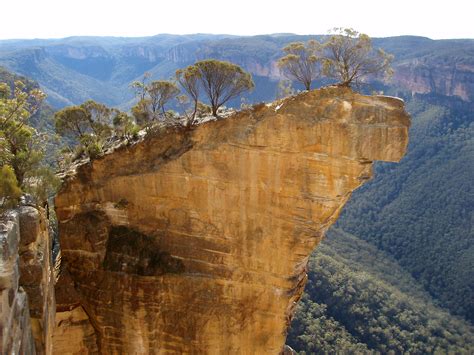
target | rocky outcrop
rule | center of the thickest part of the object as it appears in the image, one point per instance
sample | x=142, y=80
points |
x=27, y=283
x=197, y=241
x=442, y=77
x=15, y=324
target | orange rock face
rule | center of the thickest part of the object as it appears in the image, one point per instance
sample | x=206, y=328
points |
x=197, y=242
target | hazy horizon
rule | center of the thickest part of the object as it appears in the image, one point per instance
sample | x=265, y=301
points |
x=211, y=34
x=55, y=19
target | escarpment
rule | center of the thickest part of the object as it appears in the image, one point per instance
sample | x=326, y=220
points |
x=197, y=241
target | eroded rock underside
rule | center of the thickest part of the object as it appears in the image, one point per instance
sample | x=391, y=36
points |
x=197, y=241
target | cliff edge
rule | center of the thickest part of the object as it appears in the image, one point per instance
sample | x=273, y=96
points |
x=197, y=241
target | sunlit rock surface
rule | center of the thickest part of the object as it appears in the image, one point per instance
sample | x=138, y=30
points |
x=197, y=242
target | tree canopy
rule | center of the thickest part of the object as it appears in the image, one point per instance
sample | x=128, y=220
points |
x=10, y=192
x=301, y=62
x=222, y=81
x=20, y=142
x=161, y=92
x=350, y=56
x=189, y=80
x=359, y=300
x=89, y=124
x=21, y=146
x=152, y=98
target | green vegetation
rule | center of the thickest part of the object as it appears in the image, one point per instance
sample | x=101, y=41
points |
x=189, y=80
x=383, y=290
x=90, y=126
x=124, y=126
x=347, y=56
x=107, y=65
x=420, y=210
x=152, y=99
x=417, y=212
x=160, y=92
x=358, y=299
x=301, y=62
x=222, y=81
x=10, y=192
x=18, y=139
x=350, y=57
x=22, y=146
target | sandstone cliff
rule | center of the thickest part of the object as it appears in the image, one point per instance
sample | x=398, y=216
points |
x=27, y=312
x=197, y=242
x=430, y=76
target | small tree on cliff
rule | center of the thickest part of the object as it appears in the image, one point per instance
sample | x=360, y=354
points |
x=222, y=81
x=140, y=86
x=89, y=124
x=141, y=113
x=90, y=118
x=152, y=99
x=301, y=62
x=124, y=126
x=160, y=92
x=189, y=79
x=349, y=56
x=100, y=118
x=72, y=122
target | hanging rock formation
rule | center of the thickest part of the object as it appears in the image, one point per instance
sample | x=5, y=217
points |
x=197, y=241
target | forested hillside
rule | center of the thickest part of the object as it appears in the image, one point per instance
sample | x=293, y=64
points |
x=398, y=269
x=408, y=264
x=359, y=299
x=421, y=210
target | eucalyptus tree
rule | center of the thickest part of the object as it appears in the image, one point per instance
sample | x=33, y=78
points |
x=22, y=151
x=19, y=142
x=160, y=92
x=301, y=62
x=222, y=81
x=350, y=56
x=88, y=124
x=152, y=98
x=189, y=80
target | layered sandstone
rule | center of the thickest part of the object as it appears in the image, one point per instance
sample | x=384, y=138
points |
x=446, y=77
x=197, y=241
x=27, y=311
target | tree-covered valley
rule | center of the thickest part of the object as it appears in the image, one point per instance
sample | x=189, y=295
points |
x=397, y=271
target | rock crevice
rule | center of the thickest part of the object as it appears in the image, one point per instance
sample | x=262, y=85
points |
x=27, y=312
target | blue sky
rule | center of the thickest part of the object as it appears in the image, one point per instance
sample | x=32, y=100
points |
x=62, y=18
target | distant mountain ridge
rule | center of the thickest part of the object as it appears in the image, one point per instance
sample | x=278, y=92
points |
x=74, y=69
x=419, y=212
